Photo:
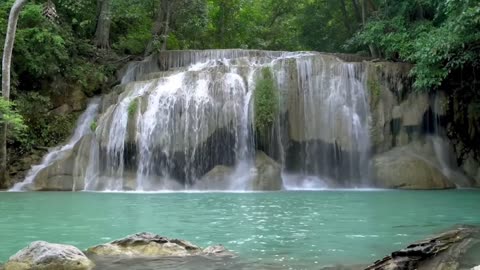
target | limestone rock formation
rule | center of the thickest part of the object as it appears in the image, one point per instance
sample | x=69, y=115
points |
x=445, y=251
x=268, y=175
x=152, y=245
x=215, y=179
x=409, y=167
x=46, y=256
x=265, y=175
x=218, y=251
x=64, y=174
x=471, y=167
x=171, y=125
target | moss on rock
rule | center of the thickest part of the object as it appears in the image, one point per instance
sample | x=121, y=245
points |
x=266, y=102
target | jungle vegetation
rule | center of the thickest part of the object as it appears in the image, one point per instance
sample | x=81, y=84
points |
x=63, y=47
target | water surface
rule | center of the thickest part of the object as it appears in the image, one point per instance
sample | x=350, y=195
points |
x=280, y=230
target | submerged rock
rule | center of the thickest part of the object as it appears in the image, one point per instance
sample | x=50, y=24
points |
x=218, y=250
x=46, y=256
x=446, y=251
x=153, y=245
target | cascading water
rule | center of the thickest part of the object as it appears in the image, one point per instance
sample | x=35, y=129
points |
x=327, y=122
x=83, y=128
x=444, y=153
x=182, y=114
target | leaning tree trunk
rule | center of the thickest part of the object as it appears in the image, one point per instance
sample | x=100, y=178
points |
x=365, y=4
x=346, y=20
x=102, y=34
x=161, y=26
x=6, y=65
x=356, y=10
x=166, y=28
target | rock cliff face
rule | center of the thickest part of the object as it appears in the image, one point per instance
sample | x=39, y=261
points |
x=185, y=120
x=407, y=129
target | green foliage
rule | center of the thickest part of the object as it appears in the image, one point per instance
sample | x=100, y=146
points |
x=323, y=26
x=374, y=87
x=10, y=116
x=46, y=131
x=269, y=24
x=89, y=76
x=132, y=108
x=439, y=36
x=40, y=49
x=93, y=126
x=266, y=104
x=131, y=25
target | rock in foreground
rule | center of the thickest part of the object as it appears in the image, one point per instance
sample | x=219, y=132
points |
x=446, y=251
x=152, y=245
x=46, y=256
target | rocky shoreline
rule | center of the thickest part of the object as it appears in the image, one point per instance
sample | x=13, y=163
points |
x=454, y=249
x=48, y=256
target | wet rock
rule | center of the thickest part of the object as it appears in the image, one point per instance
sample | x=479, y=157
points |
x=344, y=267
x=445, y=251
x=413, y=166
x=471, y=167
x=66, y=173
x=153, y=245
x=218, y=250
x=216, y=179
x=145, y=244
x=46, y=256
x=77, y=100
x=62, y=110
x=268, y=174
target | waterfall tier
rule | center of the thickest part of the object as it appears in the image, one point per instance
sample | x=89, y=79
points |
x=186, y=120
x=180, y=114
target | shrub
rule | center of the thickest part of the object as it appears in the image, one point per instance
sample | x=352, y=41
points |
x=266, y=102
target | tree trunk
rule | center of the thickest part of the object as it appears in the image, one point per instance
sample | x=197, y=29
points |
x=104, y=20
x=6, y=65
x=364, y=12
x=161, y=26
x=357, y=11
x=366, y=6
x=166, y=26
x=346, y=20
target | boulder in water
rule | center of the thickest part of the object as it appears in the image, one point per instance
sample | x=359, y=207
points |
x=47, y=256
x=152, y=245
x=218, y=250
x=265, y=176
x=409, y=167
x=216, y=179
x=445, y=251
x=268, y=173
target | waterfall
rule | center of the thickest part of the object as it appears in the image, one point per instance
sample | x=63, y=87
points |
x=180, y=114
x=329, y=138
x=442, y=149
x=83, y=127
